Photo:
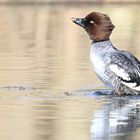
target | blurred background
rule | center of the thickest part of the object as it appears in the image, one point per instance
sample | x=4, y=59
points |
x=47, y=82
x=41, y=48
x=73, y=1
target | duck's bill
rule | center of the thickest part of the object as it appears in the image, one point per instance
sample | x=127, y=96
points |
x=79, y=21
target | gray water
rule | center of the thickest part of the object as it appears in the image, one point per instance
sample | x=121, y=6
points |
x=47, y=83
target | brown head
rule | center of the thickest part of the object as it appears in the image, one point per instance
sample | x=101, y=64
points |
x=97, y=25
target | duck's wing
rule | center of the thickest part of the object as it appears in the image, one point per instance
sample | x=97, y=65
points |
x=127, y=68
x=133, y=58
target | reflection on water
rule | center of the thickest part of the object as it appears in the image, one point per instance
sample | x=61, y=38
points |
x=70, y=117
x=118, y=119
x=44, y=55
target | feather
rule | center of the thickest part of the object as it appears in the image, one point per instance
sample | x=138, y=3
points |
x=127, y=68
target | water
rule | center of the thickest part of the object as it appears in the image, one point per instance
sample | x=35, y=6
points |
x=47, y=85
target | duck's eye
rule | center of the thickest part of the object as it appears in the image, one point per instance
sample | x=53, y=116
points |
x=91, y=21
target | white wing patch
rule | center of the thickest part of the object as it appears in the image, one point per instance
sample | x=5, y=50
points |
x=119, y=72
x=132, y=85
x=136, y=88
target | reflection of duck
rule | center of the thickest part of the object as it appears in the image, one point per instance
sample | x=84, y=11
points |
x=117, y=118
x=118, y=70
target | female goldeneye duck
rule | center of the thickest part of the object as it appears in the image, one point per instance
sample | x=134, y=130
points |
x=119, y=70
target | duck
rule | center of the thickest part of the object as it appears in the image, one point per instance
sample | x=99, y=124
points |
x=119, y=70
